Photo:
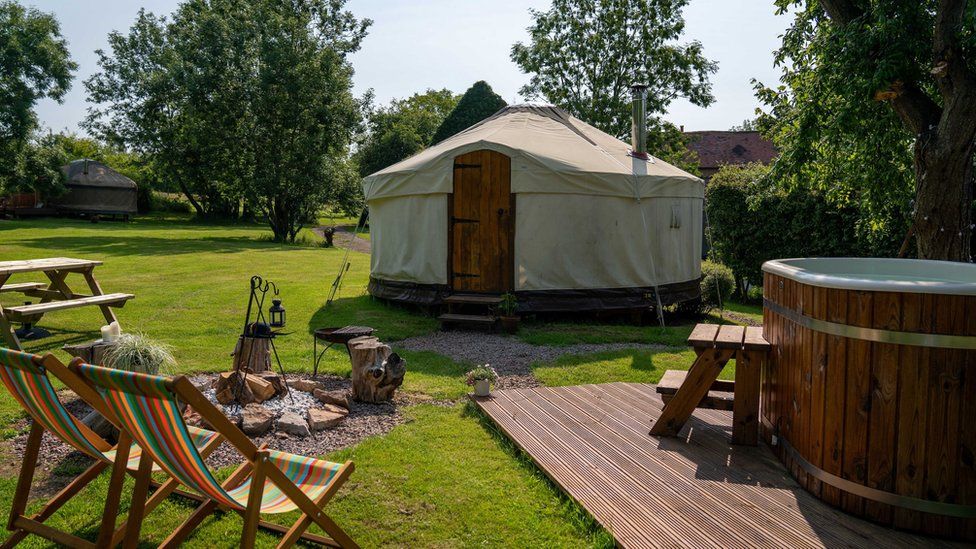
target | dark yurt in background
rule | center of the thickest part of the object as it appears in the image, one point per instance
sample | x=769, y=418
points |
x=96, y=189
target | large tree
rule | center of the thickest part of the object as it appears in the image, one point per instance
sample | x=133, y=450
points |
x=878, y=101
x=403, y=128
x=477, y=103
x=175, y=90
x=585, y=54
x=34, y=64
x=303, y=108
x=245, y=104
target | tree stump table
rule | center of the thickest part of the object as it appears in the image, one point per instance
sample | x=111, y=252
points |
x=333, y=336
x=376, y=370
x=93, y=352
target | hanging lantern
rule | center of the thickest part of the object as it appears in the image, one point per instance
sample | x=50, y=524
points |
x=276, y=314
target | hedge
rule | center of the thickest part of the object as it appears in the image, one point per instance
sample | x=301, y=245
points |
x=752, y=220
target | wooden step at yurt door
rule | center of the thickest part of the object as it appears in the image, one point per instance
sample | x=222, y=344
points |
x=482, y=223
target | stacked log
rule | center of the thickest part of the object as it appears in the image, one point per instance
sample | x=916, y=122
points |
x=246, y=389
x=252, y=354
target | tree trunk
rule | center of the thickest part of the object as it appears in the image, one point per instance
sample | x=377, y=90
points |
x=944, y=197
x=193, y=202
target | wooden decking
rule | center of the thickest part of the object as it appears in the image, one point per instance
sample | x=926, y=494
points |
x=696, y=490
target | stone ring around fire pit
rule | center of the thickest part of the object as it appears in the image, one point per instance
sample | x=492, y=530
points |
x=262, y=402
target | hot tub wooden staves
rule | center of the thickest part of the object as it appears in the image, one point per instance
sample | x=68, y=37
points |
x=869, y=399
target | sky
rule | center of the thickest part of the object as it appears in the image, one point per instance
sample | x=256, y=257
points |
x=414, y=45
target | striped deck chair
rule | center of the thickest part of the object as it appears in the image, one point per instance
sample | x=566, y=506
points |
x=26, y=377
x=267, y=482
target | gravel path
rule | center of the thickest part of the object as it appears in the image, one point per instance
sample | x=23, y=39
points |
x=345, y=237
x=741, y=318
x=508, y=355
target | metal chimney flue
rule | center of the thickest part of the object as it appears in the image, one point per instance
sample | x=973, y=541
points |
x=638, y=126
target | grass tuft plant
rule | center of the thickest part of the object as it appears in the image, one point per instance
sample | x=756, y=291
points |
x=138, y=353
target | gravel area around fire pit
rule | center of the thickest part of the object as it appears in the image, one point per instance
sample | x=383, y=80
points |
x=364, y=420
x=55, y=456
x=508, y=355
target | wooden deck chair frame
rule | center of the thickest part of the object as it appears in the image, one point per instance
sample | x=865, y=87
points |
x=257, y=467
x=21, y=525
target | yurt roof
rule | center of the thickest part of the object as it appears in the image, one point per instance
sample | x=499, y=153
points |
x=89, y=173
x=552, y=152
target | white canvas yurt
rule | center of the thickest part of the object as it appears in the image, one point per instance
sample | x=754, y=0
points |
x=538, y=203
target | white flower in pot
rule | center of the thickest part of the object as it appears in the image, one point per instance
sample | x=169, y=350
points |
x=481, y=379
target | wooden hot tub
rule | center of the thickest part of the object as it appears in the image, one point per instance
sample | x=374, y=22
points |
x=869, y=395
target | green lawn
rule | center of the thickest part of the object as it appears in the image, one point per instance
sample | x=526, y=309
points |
x=443, y=479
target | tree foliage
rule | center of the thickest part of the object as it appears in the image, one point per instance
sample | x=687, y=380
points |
x=584, y=55
x=247, y=105
x=402, y=129
x=477, y=103
x=34, y=64
x=304, y=112
x=38, y=168
x=877, y=108
x=752, y=220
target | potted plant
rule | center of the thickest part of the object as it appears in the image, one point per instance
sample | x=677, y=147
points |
x=508, y=305
x=481, y=379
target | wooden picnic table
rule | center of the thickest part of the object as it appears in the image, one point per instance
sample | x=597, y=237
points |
x=55, y=294
x=700, y=387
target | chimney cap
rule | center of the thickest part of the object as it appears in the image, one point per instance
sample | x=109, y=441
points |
x=638, y=89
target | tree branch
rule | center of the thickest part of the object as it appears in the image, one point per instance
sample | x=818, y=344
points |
x=915, y=109
x=842, y=12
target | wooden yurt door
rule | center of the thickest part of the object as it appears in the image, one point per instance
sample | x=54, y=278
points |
x=482, y=223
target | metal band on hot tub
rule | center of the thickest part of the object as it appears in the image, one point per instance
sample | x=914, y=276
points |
x=866, y=492
x=941, y=341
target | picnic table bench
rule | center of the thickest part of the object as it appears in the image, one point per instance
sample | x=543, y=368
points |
x=55, y=295
x=700, y=387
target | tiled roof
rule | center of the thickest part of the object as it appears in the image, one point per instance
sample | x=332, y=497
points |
x=719, y=148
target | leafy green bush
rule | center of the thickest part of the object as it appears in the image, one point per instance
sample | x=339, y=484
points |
x=167, y=202
x=752, y=220
x=717, y=284
x=144, y=198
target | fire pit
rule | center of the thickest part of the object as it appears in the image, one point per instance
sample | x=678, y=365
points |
x=262, y=403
